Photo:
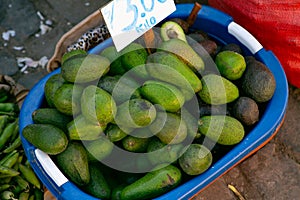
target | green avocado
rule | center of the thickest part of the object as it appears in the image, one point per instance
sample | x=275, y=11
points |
x=185, y=52
x=134, y=57
x=171, y=29
x=73, y=162
x=83, y=69
x=230, y=64
x=217, y=90
x=46, y=137
x=72, y=54
x=97, y=186
x=122, y=88
x=135, y=113
x=114, y=133
x=159, y=153
x=164, y=94
x=51, y=116
x=222, y=129
x=114, y=56
x=98, y=149
x=135, y=144
x=82, y=129
x=51, y=85
x=97, y=105
x=153, y=184
x=195, y=160
x=169, y=128
x=67, y=98
x=169, y=68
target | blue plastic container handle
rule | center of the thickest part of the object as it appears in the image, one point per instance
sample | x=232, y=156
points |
x=221, y=27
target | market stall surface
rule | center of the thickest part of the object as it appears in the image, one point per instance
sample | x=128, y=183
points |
x=30, y=31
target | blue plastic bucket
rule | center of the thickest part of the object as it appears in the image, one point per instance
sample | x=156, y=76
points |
x=221, y=27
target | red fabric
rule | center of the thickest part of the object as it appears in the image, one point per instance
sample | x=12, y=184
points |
x=275, y=24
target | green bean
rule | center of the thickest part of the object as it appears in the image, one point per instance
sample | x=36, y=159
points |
x=32, y=197
x=8, y=107
x=38, y=194
x=3, y=91
x=3, y=98
x=7, y=133
x=11, y=115
x=20, y=158
x=7, y=172
x=16, y=143
x=27, y=163
x=15, y=133
x=16, y=166
x=5, y=180
x=7, y=195
x=11, y=161
x=25, y=186
x=16, y=189
x=4, y=187
x=24, y=196
x=30, y=176
x=3, y=160
x=3, y=122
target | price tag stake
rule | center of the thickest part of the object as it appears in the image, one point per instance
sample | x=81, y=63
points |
x=127, y=20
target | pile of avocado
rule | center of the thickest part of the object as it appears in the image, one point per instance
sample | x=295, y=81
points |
x=139, y=100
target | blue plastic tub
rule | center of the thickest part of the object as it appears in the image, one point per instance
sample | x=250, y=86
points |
x=221, y=27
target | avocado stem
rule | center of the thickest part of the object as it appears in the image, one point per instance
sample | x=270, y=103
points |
x=149, y=39
x=193, y=15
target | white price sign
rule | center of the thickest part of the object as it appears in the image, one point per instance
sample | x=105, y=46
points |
x=127, y=20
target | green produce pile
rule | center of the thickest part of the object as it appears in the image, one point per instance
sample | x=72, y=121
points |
x=17, y=179
x=139, y=101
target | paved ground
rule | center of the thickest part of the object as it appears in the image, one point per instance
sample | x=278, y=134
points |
x=271, y=173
